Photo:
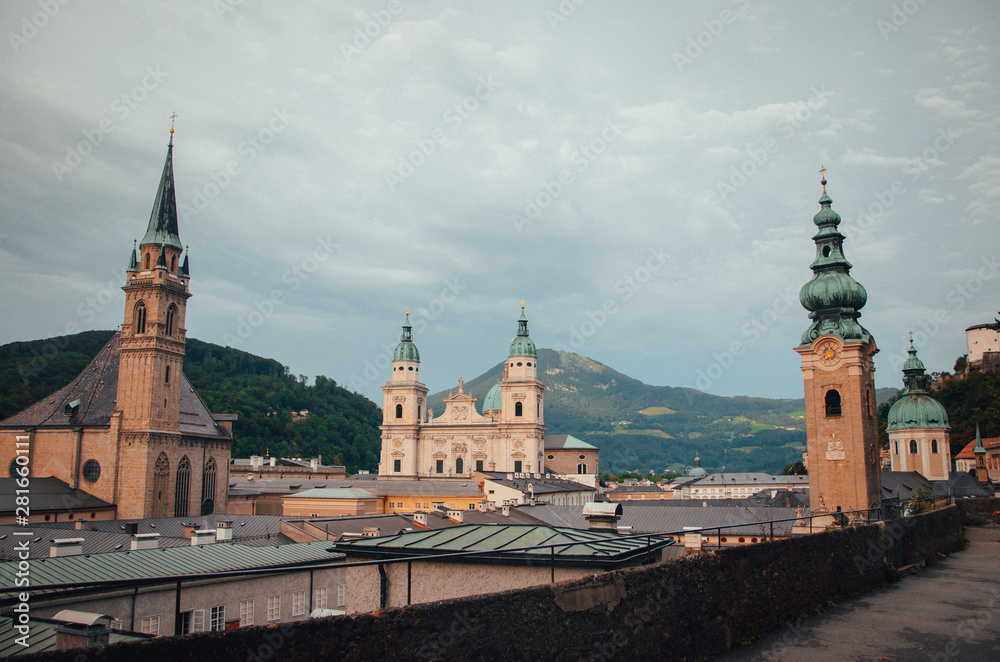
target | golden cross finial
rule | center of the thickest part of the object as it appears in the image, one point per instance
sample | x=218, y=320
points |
x=172, y=118
x=407, y=311
x=522, y=304
x=911, y=337
x=822, y=172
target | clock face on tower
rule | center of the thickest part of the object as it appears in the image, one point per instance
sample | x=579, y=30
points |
x=828, y=354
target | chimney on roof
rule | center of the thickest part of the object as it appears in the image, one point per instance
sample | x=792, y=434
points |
x=131, y=528
x=372, y=532
x=456, y=515
x=274, y=461
x=203, y=537
x=66, y=547
x=223, y=530
x=189, y=529
x=692, y=539
x=79, y=629
x=144, y=541
x=505, y=510
x=481, y=507
x=79, y=524
x=602, y=515
x=256, y=461
x=420, y=518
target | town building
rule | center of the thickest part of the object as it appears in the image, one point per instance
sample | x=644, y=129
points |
x=565, y=454
x=52, y=500
x=507, y=557
x=839, y=378
x=285, y=467
x=918, y=426
x=966, y=460
x=130, y=429
x=739, y=485
x=514, y=489
x=140, y=586
x=627, y=492
x=506, y=436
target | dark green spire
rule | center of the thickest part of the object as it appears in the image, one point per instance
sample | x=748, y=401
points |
x=522, y=345
x=834, y=299
x=161, y=262
x=133, y=263
x=163, y=220
x=979, y=449
x=185, y=271
x=915, y=409
x=406, y=350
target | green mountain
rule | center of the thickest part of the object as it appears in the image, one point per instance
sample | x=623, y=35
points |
x=340, y=425
x=643, y=427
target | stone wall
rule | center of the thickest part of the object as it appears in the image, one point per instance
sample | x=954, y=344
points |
x=687, y=609
x=977, y=512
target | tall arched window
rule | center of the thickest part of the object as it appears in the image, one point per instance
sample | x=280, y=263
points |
x=868, y=403
x=166, y=375
x=171, y=312
x=913, y=446
x=182, y=488
x=172, y=262
x=833, y=402
x=208, y=488
x=399, y=411
x=934, y=446
x=517, y=408
x=161, y=473
x=459, y=466
x=145, y=261
x=139, y=317
x=895, y=445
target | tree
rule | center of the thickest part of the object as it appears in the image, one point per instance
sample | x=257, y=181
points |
x=795, y=469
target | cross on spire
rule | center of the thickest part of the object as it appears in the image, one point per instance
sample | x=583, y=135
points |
x=172, y=118
x=822, y=172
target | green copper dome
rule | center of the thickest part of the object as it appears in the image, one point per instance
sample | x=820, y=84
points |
x=916, y=408
x=522, y=345
x=406, y=350
x=833, y=298
x=492, y=399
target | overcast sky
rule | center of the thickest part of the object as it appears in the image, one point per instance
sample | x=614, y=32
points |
x=643, y=175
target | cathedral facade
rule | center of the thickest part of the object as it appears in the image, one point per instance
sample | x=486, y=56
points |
x=507, y=434
x=130, y=429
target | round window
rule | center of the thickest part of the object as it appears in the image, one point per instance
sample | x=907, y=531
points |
x=550, y=457
x=91, y=471
x=583, y=457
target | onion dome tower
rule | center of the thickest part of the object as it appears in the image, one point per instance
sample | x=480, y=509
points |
x=404, y=408
x=918, y=426
x=838, y=373
x=696, y=471
x=521, y=406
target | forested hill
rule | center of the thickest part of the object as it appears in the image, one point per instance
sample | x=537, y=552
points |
x=340, y=425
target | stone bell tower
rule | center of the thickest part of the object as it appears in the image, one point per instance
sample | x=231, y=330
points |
x=837, y=368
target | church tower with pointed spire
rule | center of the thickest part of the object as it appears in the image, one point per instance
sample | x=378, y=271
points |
x=153, y=332
x=839, y=377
